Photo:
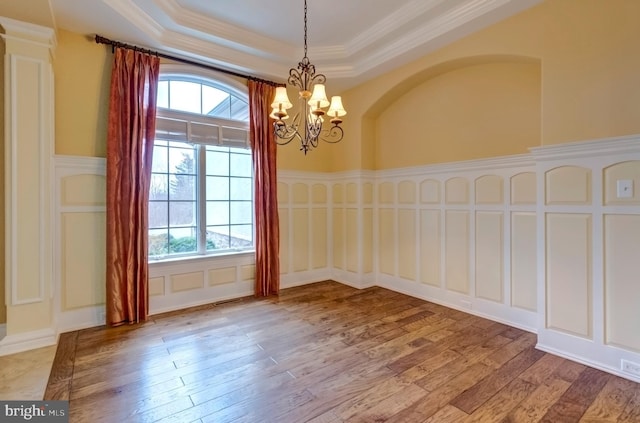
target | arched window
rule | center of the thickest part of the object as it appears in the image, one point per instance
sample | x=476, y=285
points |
x=201, y=195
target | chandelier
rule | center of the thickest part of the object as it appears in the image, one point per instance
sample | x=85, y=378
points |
x=313, y=101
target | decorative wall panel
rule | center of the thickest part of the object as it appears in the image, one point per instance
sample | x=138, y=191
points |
x=489, y=255
x=568, y=278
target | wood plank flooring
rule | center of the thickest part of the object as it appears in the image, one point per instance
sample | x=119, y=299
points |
x=327, y=353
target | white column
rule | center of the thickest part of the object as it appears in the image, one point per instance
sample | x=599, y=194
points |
x=28, y=146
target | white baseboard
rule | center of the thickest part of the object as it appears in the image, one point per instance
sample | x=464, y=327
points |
x=82, y=318
x=501, y=313
x=289, y=280
x=12, y=344
x=582, y=360
x=355, y=280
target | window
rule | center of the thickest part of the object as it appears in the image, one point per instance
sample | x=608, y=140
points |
x=201, y=194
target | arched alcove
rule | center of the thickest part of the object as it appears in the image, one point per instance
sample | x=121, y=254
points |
x=464, y=109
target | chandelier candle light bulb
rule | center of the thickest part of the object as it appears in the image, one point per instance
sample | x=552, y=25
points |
x=313, y=101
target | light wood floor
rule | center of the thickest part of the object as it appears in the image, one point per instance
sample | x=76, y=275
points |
x=327, y=353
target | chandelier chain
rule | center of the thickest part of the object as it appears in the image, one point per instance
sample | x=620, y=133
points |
x=305, y=28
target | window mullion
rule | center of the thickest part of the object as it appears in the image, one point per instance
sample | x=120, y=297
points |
x=201, y=199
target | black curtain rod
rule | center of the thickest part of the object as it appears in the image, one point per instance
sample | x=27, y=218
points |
x=102, y=40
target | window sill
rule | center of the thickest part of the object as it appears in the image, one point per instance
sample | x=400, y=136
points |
x=198, y=259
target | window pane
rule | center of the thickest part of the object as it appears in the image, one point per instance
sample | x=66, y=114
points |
x=174, y=195
x=183, y=187
x=241, y=236
x=217, y=213
x=239, y=109
x=185, y=96
x=241, y=188
x=159, y=188
x=240, y=165
x=182, y=160
x=241, y=212
x=217, y=237
x=217, y=188
x=217, y=163
x=183, y=240
x=160, y=157
x=163, y=94
x=158, y=214
x=215, y=102
x=182, y=213
x=158, y=242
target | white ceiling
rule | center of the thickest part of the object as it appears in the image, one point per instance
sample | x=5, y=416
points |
x=349, y=40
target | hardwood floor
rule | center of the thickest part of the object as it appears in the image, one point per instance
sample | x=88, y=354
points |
x=326, y=353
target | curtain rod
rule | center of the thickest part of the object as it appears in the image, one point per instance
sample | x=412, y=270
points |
x=102, y=40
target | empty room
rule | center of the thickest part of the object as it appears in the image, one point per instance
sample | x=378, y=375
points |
x=304, y=211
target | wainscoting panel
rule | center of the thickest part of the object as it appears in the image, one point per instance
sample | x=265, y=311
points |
x=457, y=239
x=622, y=270
x=430, y=247
x=589, y=252
x=541, y=241
x=489, y=255
x=446, y=236
x=568, y=286
x=524, y=275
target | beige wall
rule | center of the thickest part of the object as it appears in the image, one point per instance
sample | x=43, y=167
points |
x=588, y=50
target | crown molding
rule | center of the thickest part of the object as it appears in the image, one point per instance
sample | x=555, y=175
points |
x=217, y=41
x=138, y=17
x=384, y=28
x=224, y=33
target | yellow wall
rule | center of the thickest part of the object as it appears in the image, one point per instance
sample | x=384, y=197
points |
x=471, y=112
x=589, y=55
x=82, y=76
x=82, y=71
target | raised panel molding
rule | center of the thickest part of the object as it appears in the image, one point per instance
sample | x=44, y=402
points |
x=406, y=192
x=489, y=190
x=568, y=273
x=457, y=191
x=622, y=267
x=430, y=191
x=567, y=185
x=523, y=188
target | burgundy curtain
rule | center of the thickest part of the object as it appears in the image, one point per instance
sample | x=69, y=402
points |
x=267, y=228
x=132, y=117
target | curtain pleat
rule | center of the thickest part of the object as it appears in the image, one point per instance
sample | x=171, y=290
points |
x=267, y=242
x=130, y=135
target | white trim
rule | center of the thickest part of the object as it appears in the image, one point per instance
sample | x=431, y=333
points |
x=583, y=149
x=30, y=33
x=90, y=165
x=81, y=318
x=12, y=344
x=490, y=164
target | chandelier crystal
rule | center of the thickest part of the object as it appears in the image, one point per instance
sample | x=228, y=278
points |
x=308, y=124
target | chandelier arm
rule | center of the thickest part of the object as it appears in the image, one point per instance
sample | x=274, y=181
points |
x=332, y=135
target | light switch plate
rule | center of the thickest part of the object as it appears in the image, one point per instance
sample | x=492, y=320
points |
x=625, y=188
